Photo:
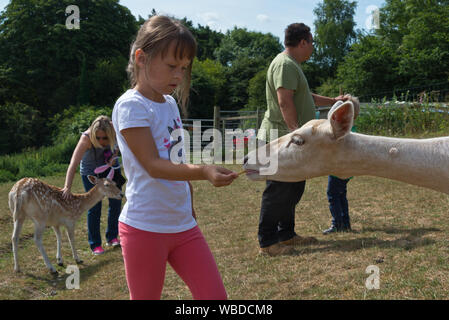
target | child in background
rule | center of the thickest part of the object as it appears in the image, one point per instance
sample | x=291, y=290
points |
x=337, y=187
x=157, y=224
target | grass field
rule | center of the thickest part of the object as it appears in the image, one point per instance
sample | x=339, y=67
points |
x=401, y=229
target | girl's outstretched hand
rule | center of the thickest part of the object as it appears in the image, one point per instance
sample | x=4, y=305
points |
x=219, y=176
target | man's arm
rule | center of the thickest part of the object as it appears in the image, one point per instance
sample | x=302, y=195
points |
x=287, y=106
x=322, y=101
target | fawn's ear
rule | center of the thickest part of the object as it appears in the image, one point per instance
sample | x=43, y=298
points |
x=92, y=179
x=341, y=119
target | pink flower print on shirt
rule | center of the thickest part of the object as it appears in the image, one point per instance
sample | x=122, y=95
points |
x=107, y=154
x=167, y=143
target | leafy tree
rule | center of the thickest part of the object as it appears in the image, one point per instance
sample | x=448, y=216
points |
x=74, y=120
x=425, y=45
x=42, y=58
x=370, y=68
x=18, y=126
x=334, y=33
x=208, y=88
x=238, y=76
x=410, y=49
x=241, y=42
x=108, y=81
x=257, y=91
x=314, y=74
x=83, y=95
x=393, y=19
x=207, y=39
x=244, y=53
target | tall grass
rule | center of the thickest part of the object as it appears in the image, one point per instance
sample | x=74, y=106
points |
x=408, y=119
x=45, y=161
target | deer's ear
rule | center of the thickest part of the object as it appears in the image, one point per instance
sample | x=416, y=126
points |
x=92, y=179
x=341, y=119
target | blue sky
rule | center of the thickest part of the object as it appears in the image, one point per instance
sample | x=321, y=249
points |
x=255, y=15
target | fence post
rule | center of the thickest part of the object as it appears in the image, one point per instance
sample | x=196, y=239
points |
x=216, y=128
x=217, y=117
x=257, y=119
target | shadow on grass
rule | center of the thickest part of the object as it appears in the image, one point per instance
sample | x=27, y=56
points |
x=412, y=239
x=58, y=281
x=394, y=230
x=6, y=248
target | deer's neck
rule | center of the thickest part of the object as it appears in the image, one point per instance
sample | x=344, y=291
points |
x=87, y=200
x=423, y=162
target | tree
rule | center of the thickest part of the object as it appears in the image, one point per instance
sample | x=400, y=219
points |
x=410, y=49
x=257, y=91
x=208, y=88
x=108, y=81
x=18, y=126
x=244, y=53
x=394, y=18
x=83, y=95
x=207, y=39
x=43, y=58
x=370, y=68
x=334, y=33
x=241, y=42
x=425, y=45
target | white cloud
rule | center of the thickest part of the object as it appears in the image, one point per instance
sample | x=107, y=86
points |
x=210, y=18
x=263, y=18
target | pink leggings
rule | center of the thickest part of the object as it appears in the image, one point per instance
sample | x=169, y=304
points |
x=146, y=255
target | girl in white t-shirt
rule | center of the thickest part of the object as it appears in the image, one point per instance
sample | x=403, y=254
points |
x=157, y=223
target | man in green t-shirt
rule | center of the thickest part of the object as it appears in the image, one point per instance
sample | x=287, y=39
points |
x=290, y=104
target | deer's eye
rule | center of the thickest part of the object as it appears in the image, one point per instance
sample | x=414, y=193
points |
x=296, y=139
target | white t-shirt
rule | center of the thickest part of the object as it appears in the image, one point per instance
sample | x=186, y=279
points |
x=154, y=205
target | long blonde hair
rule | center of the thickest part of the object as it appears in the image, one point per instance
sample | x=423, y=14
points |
x=154, y=37
x=103, y=123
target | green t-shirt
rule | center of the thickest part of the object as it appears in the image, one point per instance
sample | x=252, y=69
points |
x=286, y=72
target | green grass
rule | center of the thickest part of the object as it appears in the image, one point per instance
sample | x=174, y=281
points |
x=400, y=228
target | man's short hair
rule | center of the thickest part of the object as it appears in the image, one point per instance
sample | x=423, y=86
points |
x=296, y=32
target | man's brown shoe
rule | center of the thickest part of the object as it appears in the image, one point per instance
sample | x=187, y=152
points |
x=299, y=241
x=276, y=250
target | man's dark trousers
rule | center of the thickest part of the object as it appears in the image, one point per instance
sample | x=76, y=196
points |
x=277, y=212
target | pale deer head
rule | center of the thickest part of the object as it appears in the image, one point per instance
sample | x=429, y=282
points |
x=308, y=152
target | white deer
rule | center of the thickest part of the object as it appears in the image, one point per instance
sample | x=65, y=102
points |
x=327, y=147
x=45, y=205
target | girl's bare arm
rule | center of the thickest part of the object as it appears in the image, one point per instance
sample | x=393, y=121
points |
x=141, y=143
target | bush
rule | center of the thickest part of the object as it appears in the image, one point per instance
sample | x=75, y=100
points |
x=393, y=119
x=45, y=161
x=75, y=120
x=24, y=122
x=48, y=160
x=6, y=176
